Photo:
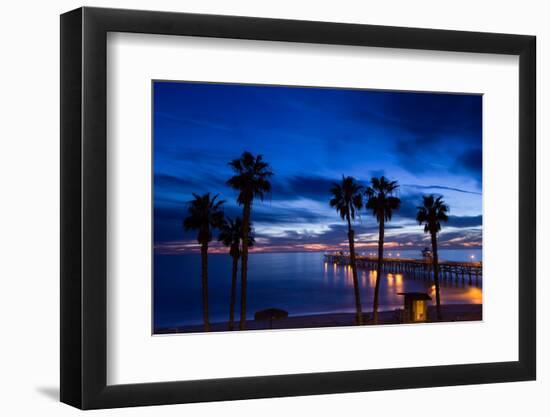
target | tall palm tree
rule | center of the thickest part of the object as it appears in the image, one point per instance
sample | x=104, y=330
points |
x=432, y=212
x=251, y=180
x=204, y=214
x=382, y=203
x=231, y=236
x=347, y=199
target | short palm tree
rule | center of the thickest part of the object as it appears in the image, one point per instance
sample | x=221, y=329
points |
x=204, y=214
x=382, y=203
x=251, y=180
x=231, y=236
x=431, y=214
x=347, y=199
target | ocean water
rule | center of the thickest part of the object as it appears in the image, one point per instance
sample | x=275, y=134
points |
x=300, y=283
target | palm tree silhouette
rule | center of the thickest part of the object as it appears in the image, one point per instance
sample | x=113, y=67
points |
x=231, y=236
x=348, y=200
x=382, y=203
x=204, y=215
x=431, y=214
x=251, y=179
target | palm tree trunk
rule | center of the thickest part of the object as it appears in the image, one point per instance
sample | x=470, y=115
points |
x=436, y=275
x=359, y=318
x=244, y=263
x=204, y=277
x=378, y=271
x=233, y=292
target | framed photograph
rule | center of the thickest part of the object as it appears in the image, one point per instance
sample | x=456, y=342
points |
x=257, y=208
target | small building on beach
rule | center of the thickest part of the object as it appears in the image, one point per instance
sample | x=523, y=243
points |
x=415, y=307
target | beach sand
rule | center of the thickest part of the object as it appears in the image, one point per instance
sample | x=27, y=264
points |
x=450, y=313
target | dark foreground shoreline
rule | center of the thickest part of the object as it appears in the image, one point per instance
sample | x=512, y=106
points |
x=450, y=313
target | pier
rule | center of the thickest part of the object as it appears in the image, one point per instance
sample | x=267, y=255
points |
x=448, y=270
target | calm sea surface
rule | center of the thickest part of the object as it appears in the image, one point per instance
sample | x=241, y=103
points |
x=300, y=283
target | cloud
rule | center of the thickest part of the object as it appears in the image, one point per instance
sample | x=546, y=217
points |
x=196, y=122
x=409, y=205
x=440, y=187
x=472, y=238
x=171, y=181
x=285, y=215
x=333, y=240
x=428, y=130
x=470, y=162
x=314, y=187
x=465, y=221
x=425, y=114
x=411, y=202
x=180, y=189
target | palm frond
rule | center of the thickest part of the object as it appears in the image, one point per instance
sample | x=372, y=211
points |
x=347, y=198
x=380, y=199
x=432, y=213
x=251, y=177
x=204, y=213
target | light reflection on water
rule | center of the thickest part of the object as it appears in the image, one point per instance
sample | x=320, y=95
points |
x=301, y=283
x=455, y=291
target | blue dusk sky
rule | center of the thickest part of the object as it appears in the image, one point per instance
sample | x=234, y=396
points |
x=429, y=143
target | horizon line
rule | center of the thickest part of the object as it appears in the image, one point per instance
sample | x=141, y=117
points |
x=197, y=252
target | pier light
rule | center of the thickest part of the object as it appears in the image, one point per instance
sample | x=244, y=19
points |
x=398, y=279
x=472, y=256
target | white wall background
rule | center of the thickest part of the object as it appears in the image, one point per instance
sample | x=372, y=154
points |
x=29, y=225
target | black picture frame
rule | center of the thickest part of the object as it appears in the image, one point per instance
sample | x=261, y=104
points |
x=84, y=207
